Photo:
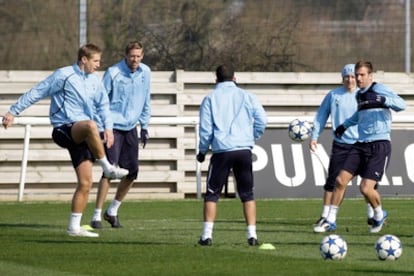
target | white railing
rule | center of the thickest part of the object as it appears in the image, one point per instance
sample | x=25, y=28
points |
x=190, y=121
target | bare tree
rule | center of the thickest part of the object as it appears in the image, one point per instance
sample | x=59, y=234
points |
x=37, y=34
x=198, y=35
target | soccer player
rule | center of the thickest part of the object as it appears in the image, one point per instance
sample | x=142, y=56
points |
x=77, y=100
x=128, y=86
x=370, y=155
x=340, y=104
x=231, y=119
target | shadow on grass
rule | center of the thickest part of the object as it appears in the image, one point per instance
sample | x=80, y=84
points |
x=27, y=225
x=380, y=272
x=74, y=240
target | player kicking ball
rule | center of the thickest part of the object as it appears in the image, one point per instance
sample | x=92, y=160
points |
x=370, y=155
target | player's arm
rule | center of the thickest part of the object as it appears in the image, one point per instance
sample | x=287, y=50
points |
x=42, y=90
x=101, y=102
x=205, y=129
x=38, y=92
x=259, y=117
x=320, y=120
x=391, y=99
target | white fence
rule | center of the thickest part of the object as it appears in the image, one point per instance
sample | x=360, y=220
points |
x=187, y=121
x=167, y=163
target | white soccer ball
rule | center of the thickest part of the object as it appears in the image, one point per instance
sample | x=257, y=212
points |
x=333, y=247
x=388, y=247
x=299, y=130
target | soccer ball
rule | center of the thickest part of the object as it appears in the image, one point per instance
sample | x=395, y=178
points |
x=333, y=247
x=388, y=247
x=299, y=130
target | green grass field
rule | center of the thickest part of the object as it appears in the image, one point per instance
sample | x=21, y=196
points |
x=159, y=238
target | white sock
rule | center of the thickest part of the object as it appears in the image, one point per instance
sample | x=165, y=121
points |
x=333, y=211
x=74, y=221
x=251, y=231
x=378, y=213
x=325, y=211
x=97, y=215
x=207, y=230
x=370, y=210
x=113, y=208
x=104, y=163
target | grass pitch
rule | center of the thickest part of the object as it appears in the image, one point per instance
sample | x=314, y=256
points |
x=160, y=238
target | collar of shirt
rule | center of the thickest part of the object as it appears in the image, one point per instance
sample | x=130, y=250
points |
x=125, y=68
x=226, y=84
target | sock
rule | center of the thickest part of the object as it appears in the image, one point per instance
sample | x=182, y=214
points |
x=370, y=211
x=251, y=231
x=325, y=211
x=378, y=213
x=74, y=221
x=207, y=230
x=104, y=163
x=113, y=208
x=97, y=215
x=333, y=211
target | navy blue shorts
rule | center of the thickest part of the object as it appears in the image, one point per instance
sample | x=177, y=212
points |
x=240, y=161
x=369, y=160
x=124, y=151
x=339, y=154
x=78, y=152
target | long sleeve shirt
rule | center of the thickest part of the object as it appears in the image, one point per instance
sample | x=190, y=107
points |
x=75, y=96
x=230, y=119
x=340, y=105
x=374, y=124
x=129, y=95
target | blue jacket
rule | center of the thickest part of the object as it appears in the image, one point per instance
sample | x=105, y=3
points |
x=230, y=119
x=340, y=105
x=375, y=123
x=129, y=95
x=75, y=96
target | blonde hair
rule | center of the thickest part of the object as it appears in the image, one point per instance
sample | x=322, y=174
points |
x=88, y=50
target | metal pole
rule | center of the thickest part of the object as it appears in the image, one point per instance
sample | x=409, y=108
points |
x=407, y=37
x=82, y=22
x=23, y=169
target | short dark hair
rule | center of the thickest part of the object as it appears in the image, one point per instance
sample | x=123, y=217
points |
x=88, y=50
x=224, y=73
x=364, y=63
x=133, y=45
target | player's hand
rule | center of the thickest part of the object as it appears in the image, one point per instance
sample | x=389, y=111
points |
x=8, y=119
x=313, y=144
x=109, y=138
x=339, y=131
x=201, y=157
x=144, y=137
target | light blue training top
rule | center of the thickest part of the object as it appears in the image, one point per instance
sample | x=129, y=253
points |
x=230, y=119
x=129, y=95
x=75, y=96
x=340, y=105
x=375, y=124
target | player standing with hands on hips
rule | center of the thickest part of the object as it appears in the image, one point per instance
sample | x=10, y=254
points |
x=231, y=119
x=77, y=100
x=369, y=156
x=128, y=86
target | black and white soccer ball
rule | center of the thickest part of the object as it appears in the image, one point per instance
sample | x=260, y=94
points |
x=388, y=247
x=299, y=130
x=333, y=247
